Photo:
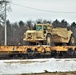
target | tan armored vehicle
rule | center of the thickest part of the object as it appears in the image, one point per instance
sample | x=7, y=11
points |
x=47, y=34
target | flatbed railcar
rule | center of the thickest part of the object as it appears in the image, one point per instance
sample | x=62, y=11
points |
x=37, y=51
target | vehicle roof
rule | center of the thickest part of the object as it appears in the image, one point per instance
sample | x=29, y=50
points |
x=44, y=24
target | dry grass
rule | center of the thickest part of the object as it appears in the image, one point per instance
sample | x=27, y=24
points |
x=22, y=62
x=54, y=73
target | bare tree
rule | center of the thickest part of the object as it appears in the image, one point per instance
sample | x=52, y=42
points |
x=2, y=9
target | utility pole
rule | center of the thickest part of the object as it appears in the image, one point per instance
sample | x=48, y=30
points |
x=5, y=43
x=5, y=26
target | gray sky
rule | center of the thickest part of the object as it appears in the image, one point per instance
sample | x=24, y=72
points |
x=21, y=13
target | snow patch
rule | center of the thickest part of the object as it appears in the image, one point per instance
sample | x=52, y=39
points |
x=37, y=66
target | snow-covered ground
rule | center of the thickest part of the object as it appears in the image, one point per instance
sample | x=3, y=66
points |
x=37, y=66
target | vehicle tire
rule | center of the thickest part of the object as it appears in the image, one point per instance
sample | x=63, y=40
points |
x=72, y=40
x=49, y=39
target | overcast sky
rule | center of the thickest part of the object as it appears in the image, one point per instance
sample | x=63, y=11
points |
x=22, y=13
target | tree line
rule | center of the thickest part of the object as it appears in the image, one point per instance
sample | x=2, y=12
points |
x=16, y=30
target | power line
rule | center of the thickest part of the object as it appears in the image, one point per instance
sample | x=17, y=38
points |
x=40, y=9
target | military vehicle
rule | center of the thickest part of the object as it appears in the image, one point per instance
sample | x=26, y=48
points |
x=47, y=34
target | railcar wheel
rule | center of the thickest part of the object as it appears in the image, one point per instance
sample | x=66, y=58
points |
x=54, y=53
x=70, y=52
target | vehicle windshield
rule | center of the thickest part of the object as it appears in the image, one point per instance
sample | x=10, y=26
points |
x=45, y=27
x=38, y=27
